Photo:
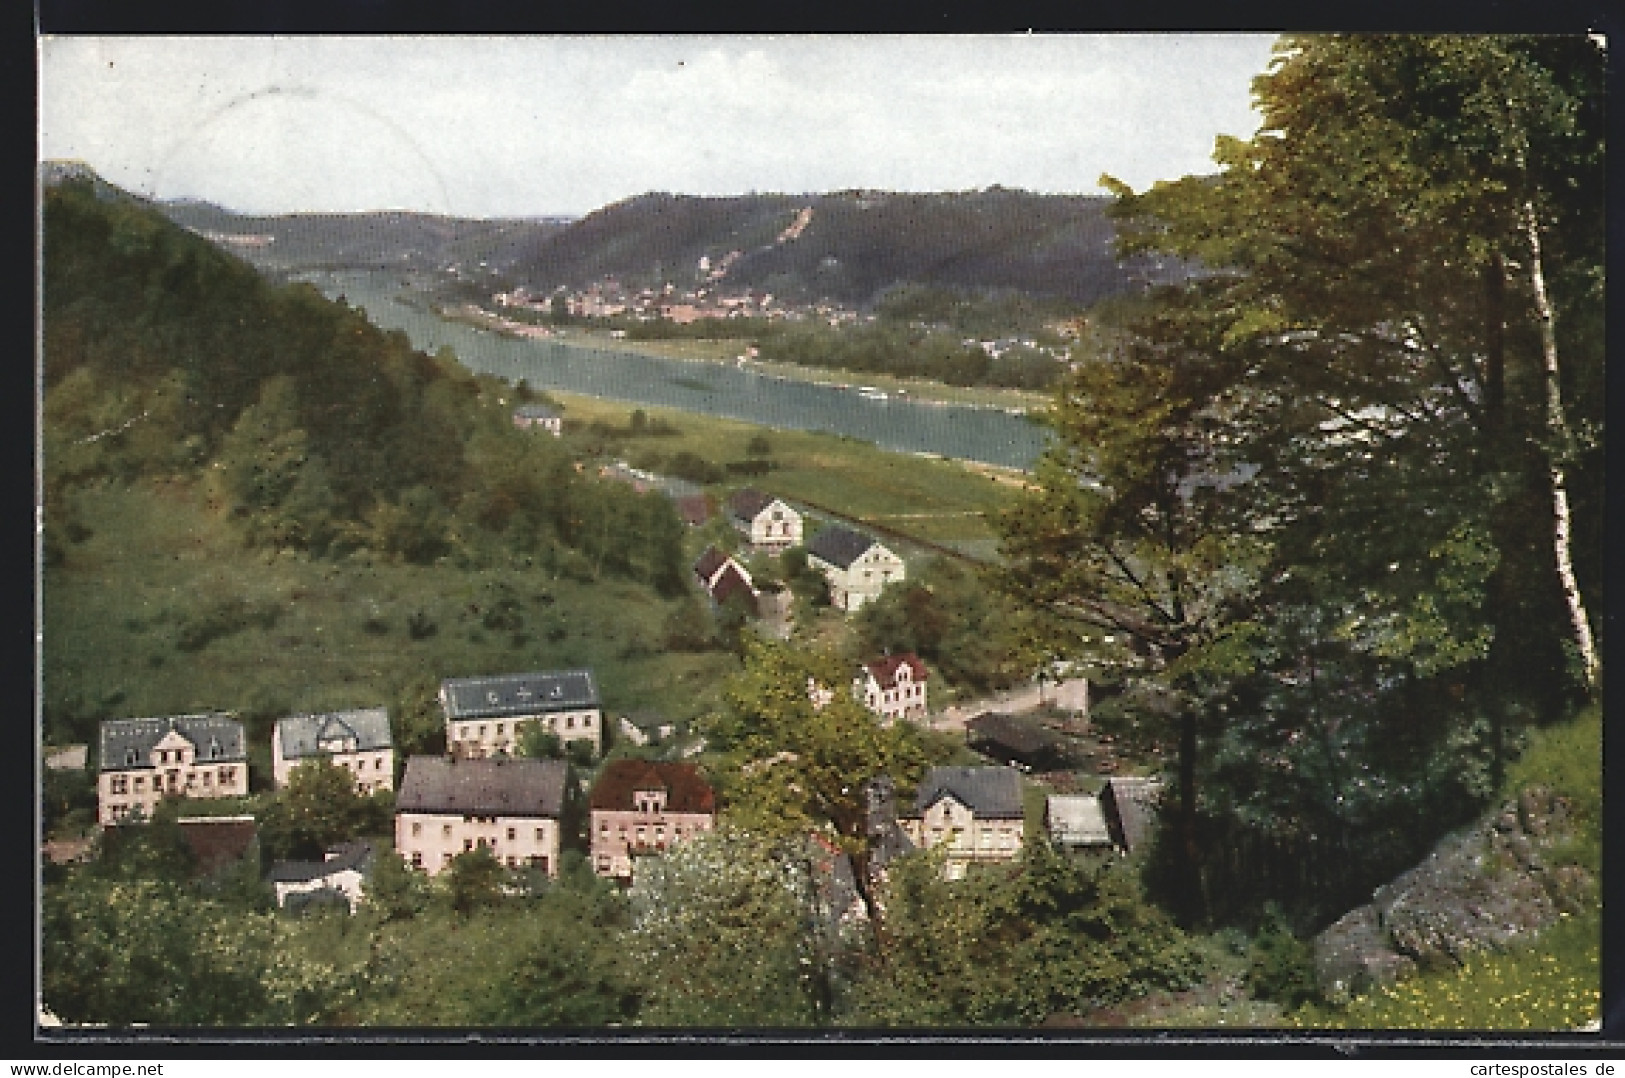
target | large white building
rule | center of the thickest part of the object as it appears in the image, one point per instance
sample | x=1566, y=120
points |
x=144, y=760
x=509, y=806
x=485, y=716
x=358, y=741
x=856, y=566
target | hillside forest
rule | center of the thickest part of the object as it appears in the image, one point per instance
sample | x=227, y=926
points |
x=1322, y=522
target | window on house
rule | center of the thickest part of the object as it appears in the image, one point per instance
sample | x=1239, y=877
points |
x=417, y=829
x=538, y=834
x=499, y=729
x=468, y=844
x=417, y=859
x=512, y=833
x=482, y=729
x=445, y=830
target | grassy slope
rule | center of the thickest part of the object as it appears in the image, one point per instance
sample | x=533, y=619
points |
x=934, y=500
x=113, y=615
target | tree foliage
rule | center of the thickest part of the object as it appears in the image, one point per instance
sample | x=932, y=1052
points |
x=1319, y=488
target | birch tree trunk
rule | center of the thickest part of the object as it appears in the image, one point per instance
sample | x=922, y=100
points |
x=1558, y=424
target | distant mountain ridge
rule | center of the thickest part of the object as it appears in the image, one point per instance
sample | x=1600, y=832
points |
x=847, y=247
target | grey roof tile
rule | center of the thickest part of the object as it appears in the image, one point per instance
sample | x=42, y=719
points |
x=839, y=546
x=990, y=792
x=300, y=735
x=128, y=743
x=518, y=694
x=499, y=786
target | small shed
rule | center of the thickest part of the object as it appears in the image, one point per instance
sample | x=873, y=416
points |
x=1077, y=821
x=1014, y=740
x=67, y=757
x=694, y=509
x=1130, y=805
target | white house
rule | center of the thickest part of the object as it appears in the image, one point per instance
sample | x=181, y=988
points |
x=509, y=806
x=767, y=522
x=344, y=871
x=893, y=687
x=976, y=812
x=856, y=566
x=486, y=715
x=529, y=416
x=142, y=760
x=358, y=741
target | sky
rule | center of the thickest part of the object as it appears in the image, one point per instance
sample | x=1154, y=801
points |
x=545, y=126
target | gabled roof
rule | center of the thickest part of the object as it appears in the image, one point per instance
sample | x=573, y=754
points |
x=1077, y=820
x=343, y=858
x=685, y=790
x=518, y=694
x=535, y=411
x=708, y=563
x=885, y=670
x=747, y=504
x=499, y=786
x=733, y=580
x=214, y=731
x=989, y=792
x=299, y=735
x=839, y=546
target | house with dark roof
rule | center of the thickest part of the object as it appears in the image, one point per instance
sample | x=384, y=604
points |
x=976, y=813
x=510, y=806
x=344, y=872
x=640, y=807
x=533, y=416
x=694, y=509
x=145, y=760
x=358, y=741
x=893, y=686
x=856, y=566
x=486, y=715
x=766, y=522
x=722, y=577
x=1130, y=805
x=1011, y=739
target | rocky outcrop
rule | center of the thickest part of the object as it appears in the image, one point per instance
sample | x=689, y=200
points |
x=1480, y=889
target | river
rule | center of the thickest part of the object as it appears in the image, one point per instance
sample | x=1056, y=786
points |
x=989, y=435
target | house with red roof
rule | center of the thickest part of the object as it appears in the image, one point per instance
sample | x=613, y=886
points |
x=640, y=807
x=893, y=687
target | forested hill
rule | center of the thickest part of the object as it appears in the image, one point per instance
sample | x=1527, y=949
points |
x=311, y=429
x=420, y=242
x=848, y=247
